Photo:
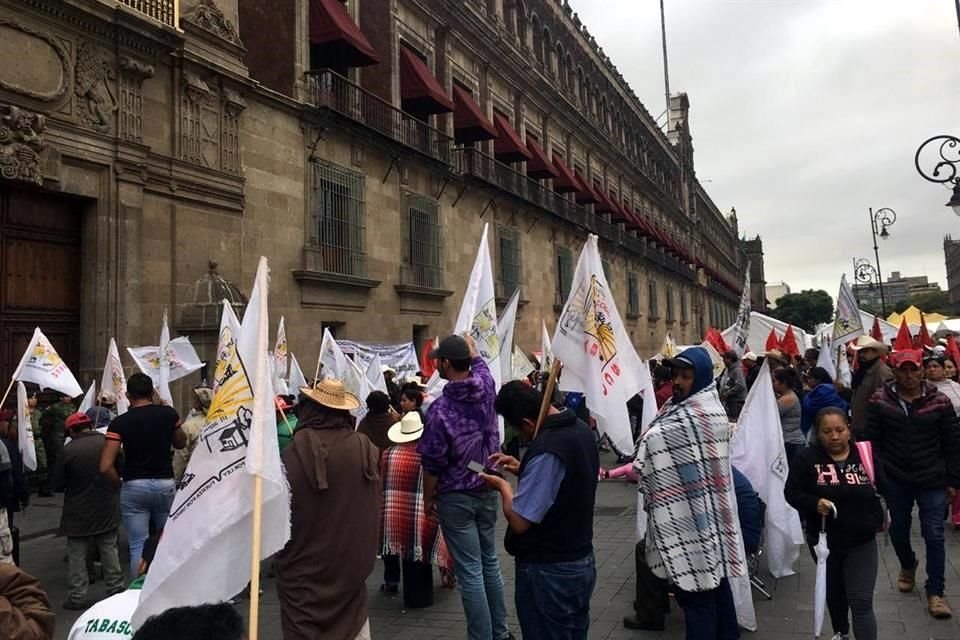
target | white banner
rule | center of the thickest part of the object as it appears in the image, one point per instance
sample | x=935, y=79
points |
x=505, y=326
x=848, y=323
x=28, y=449
x=113, y=380
x=297, y=380
x=402, y=358
x=89, y=399
x=741, y=334
x=42, y=365
x=478, y=311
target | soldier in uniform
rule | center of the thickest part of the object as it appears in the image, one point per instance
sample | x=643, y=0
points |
x=53, y=428
x=41, y=473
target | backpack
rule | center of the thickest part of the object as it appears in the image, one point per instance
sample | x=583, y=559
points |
x=865, y=450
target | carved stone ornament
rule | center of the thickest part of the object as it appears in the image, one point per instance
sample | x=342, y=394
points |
x=44, y=75
x=233, y=102
x=21, y=144
x=208, y=16
x=136, y=68
x=96, y=103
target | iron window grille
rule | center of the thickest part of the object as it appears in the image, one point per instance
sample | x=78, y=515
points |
x=423, y=246
x=633, y=296
x=652, y=305
x=509, y=271
x=336, y=242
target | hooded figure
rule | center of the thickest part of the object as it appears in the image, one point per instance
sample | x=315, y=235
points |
x=683, y=461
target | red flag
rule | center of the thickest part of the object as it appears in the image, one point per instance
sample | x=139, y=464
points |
x=789, y=345
x=953, y=350
x=925, y=339
x=773, y=342
x=715, y=339
x=427, y=366
x=903, y=341
x=875, y=331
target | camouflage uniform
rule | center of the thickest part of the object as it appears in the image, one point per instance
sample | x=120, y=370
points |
x=53, y=430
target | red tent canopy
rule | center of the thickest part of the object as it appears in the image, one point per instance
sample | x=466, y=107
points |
x=904, y=340
x=875, y=332
x=773, y=342
x=789, y=345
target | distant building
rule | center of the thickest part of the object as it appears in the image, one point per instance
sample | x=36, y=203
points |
x=775, y=292
x=951, y=255
x=753, y=250
x=896, y=289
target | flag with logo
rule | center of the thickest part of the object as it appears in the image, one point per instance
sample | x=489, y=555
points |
x=826, y=358
x=757, y=451
x=113, y=381
x=374, y=374
x=848, y=323
x=741, y=328
x=338, y=366
x=594, y=347
x=669, y=347
x=42, y=365
x=167, y=362
x=209, y=530
x=546, y=356
x=505, y=327
x=521, y=367
x=478, y=311
x=280, y=363
x=28, y=449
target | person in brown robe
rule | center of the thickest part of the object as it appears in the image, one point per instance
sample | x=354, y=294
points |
x=335, y=500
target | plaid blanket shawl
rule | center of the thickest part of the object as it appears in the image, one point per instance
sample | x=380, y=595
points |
x=693, y=536
x=405, y=531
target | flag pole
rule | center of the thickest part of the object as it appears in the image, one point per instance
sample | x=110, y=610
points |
x=317, y=374
x=255, y=559
x=547, y=394
x=7, y=392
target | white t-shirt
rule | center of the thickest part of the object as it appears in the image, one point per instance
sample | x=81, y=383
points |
x=108, y=619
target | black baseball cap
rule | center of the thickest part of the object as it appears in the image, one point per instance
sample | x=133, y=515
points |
x=451, y=348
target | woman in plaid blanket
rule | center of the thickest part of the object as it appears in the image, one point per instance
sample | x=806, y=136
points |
x=693, y=537
x=406, y=531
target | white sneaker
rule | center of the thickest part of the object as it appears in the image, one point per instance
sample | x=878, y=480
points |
x=840, y=636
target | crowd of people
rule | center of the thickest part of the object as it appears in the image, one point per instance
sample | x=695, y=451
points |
x=420, y=482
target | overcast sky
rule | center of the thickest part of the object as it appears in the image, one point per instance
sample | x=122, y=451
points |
x=804, y=114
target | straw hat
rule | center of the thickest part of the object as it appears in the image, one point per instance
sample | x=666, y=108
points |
x=331, y=393
x=204, y=395
x=409, y=428
x=869, y=342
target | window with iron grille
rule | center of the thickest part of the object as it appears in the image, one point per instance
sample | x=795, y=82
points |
x=564, y=275
x=653, y=308
x=633, y=296
x=508, y=272
x=336, y=240
x=423, y=246
x=684, y=308
x=670, y=316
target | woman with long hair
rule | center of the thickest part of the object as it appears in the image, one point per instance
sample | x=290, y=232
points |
x=785, y=384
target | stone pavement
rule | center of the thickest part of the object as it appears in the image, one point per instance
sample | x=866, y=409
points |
x=788, y=616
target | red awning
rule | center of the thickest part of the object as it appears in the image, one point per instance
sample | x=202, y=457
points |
x=540, y=166
x=335, y=37
x=508, y=147
x=586, y=194
x=635, y=222
x=420, y=93
x=619, y=214
x=469, y=123
x=607, y=205
x=565, y=182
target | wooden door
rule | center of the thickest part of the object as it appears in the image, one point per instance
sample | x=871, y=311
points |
x=39, y=274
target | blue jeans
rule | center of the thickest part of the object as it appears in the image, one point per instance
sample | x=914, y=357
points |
x=469, y=523
x=553, y=600
x=931, y=503
x=709, y=615
x=142, y=503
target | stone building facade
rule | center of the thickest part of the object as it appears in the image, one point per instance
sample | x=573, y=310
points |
x=951, y=258
x=361, y=147
x=753, y=251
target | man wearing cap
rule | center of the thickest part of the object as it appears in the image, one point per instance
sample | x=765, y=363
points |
x=733, y=385
x=871, y=374
x=91, y=511
x=916, y=437
x=692, y=536
x=461, y=428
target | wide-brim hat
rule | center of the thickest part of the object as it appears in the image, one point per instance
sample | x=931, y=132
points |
x=775, y=354
x=204, y=395
x=409, y=428
x=867, y=341
x=331, y=394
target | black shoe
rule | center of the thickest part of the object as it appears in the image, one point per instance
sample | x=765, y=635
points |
x=77, y=605
x=389, y=589
x=633, y=622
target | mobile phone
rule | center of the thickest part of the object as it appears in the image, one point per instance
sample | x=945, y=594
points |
x=476, y=467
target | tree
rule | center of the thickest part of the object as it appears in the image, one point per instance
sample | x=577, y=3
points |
x=930, y=302
x=805, y=310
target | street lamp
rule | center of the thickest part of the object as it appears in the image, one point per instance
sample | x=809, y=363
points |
x=863, y=273
x=944, y=169
x=880, y=221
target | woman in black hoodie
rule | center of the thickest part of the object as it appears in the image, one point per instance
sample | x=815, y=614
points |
x=830, y=474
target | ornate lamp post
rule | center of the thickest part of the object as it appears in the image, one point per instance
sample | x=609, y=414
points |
x=944, y=169
x=880, y=221
x=864, y=273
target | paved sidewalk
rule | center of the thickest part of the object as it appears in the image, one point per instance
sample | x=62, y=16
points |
x=789, y=616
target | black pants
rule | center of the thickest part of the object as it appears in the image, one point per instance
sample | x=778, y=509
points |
x=851, y=578
x=417, y=580
x=653, y=602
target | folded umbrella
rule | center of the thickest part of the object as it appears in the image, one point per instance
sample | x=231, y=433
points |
x=820, y=593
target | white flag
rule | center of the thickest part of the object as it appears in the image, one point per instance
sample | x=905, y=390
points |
x=42, y=365
x=826, y=358
x=204, y=554
x=113, y=380
x=297, y=380
x=374, y=374
x=848, y=323
x=505, y=326
x=89, y=399
x=280, y=363
x=28, y=449
x=478, y=311
x=741, y=333
x=163, y=369
x=758, y=452
x=521, y=367
x=168, y=361
x=844, y=375
x=337, y=365
x=649, y=394
x=595, y=349
x=546, y=356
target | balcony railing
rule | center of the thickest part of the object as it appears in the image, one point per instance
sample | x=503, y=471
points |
x=329, y=90
x=165, y=11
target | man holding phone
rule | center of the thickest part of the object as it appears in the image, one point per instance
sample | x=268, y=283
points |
x=461, y=427
x=551, y=516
